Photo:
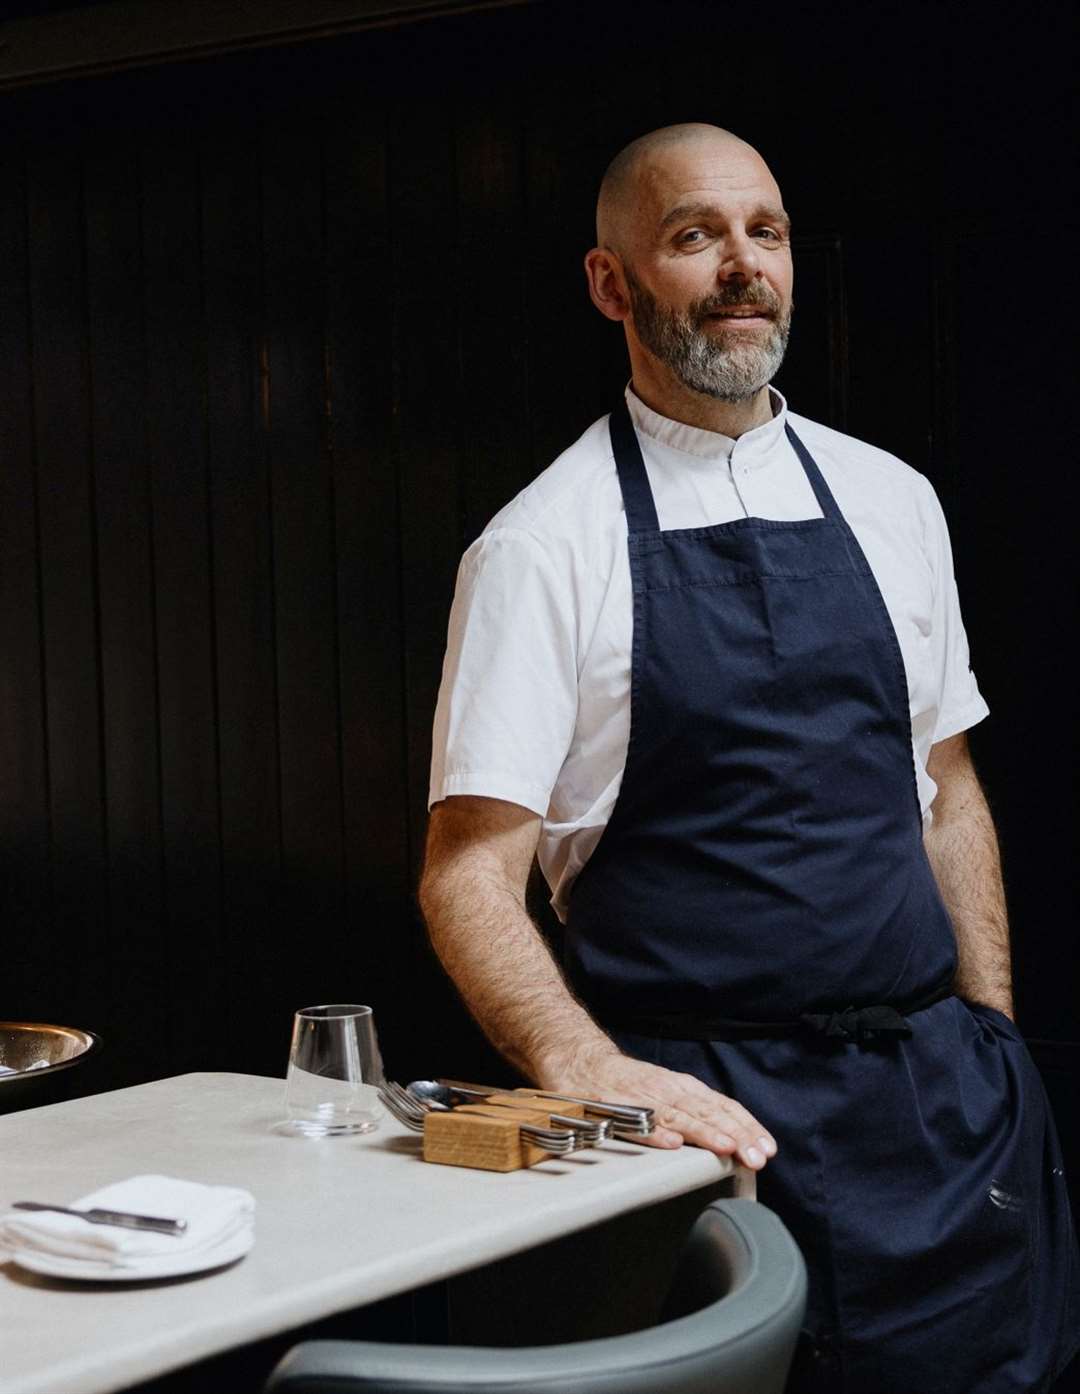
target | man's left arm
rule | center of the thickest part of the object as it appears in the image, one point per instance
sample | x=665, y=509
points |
x=962, y=847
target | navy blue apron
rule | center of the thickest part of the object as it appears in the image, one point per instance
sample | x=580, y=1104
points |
x=760, y=912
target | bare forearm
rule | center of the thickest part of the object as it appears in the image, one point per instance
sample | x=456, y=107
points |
x=963, y=851
x=479, y=852
x=502, y=967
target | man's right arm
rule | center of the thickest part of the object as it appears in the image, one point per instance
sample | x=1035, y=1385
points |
x=472, y=893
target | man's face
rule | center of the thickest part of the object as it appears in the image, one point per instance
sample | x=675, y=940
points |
x=709, y=271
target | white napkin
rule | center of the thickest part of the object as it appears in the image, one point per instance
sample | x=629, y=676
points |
x=213, y=1214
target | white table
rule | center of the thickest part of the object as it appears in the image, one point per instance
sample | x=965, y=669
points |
x=340, y=1222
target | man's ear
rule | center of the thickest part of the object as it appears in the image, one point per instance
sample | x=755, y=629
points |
x=607, y=283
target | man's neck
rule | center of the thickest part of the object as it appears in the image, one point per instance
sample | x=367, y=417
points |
x=678, y=403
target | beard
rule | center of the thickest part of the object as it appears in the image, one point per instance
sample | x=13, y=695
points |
x=727, y=365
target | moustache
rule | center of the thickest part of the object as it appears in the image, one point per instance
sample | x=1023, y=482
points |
x=714, y=304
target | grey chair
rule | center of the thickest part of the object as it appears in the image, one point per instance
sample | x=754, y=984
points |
x=729, y=1326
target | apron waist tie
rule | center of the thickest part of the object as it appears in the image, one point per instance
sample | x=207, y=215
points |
x=856, y=1024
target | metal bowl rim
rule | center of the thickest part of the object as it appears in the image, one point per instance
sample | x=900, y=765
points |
x=93, y=1046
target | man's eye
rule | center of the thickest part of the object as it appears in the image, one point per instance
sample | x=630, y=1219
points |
x=767, y=232
x=691, y=235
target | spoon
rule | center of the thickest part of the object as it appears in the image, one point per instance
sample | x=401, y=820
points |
x=441, y=1095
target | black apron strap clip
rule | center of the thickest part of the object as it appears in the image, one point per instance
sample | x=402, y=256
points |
x=858, y=1023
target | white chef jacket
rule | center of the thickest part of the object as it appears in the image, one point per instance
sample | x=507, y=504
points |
x=534, y=705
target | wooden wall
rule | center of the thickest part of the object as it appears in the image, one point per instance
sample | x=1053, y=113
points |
x=280, y=331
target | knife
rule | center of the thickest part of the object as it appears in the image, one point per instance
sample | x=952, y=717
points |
x=635, y=1119
x=122, y=1218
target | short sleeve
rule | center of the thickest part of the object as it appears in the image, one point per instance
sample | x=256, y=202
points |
x=508, y=699
x=960, y=704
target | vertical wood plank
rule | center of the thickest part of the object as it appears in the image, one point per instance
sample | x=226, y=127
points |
x=65, y=496
x=303, y=525
x=176, y=445
x=495, y=404
x=243, y=586
x=126, y=583
x=427, y=304
x=24, y=792
x=367, y=511
x=577, y=360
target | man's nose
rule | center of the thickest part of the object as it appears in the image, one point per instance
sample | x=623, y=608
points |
x=739, y=258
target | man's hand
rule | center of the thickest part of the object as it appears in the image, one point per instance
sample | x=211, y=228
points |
x=686, y=1109
x=472, y=893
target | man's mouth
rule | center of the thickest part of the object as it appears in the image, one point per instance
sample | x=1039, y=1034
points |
x=740, y=312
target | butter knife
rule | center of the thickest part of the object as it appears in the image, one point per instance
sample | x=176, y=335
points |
x=122, y=1218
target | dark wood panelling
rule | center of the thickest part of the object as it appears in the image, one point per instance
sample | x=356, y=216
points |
x=75, y=936
x=427, y=398
x=303, y=525
x=282, y=331
x=576, y=360
x=496, y=407
x=126, y=580
x=230, y=160
x=25, y=823
x=367, y=514
x=183, y=559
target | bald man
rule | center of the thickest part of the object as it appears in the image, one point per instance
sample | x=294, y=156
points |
x=710, y=669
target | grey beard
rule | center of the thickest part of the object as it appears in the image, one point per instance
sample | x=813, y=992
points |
x=732, y=372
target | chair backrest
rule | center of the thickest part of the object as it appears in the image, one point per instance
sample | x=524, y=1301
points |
x=730, y=1326
x=716, y=1262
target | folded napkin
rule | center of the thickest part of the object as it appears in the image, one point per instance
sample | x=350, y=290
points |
x=213, y=1214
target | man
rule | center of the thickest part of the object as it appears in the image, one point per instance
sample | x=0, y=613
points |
x=710, y=666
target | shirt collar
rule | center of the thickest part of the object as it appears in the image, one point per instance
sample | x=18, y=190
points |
x=751, y=449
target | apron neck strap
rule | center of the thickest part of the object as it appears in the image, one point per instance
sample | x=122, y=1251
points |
x=822, y=492
x=633, y=481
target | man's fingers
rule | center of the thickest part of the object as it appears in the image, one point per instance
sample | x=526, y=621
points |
x=663, y=1137
x=727, y=1121
x=673, y=1126
x=700, y=1099
x=719, y=1132
x=755, y=1143
x=685, y=1108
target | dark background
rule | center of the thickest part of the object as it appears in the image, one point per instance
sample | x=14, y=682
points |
x=280, y=330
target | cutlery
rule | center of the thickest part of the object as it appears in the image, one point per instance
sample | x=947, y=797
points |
x=628, y=1120
x=121, y=1218
x=592, y=1130
x=411, y=1111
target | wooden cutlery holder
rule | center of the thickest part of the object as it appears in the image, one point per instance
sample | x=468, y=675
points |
x=488, y=1135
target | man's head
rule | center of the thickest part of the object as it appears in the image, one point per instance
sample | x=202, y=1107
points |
x=694, y=258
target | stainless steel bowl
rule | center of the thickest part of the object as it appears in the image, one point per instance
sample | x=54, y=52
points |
x=51, y=1050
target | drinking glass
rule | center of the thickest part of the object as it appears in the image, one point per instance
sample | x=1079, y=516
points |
x=334, y=1071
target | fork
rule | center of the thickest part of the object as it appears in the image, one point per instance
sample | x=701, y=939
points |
x=410, y=1111
x=415, y=1109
